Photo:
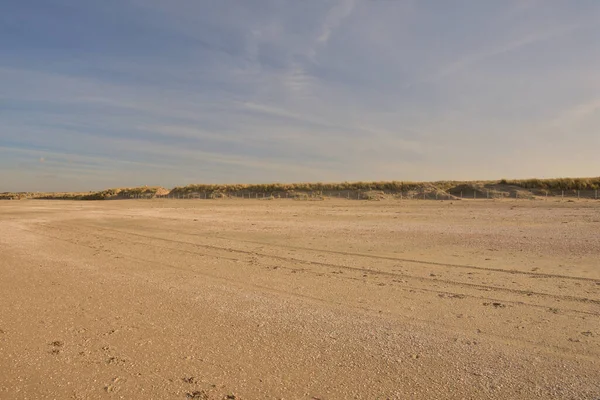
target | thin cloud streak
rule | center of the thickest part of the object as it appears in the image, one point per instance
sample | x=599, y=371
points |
x=493, y=51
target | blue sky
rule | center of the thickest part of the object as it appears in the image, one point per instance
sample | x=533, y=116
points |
x=97, y=94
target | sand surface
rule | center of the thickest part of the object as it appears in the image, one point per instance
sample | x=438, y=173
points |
x=284, y=299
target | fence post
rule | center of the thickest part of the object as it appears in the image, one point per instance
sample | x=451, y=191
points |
x=562, y=194
x=596, y=194
x=488, y=194
x=474, y=194
x=461, y=194
x=578, y=195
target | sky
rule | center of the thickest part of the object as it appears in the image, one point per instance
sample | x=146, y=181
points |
x=116, y=93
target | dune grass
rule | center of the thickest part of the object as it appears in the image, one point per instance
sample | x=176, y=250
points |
x=393, y=186
x=500, y=188
x=556, y=184
x=115, y=193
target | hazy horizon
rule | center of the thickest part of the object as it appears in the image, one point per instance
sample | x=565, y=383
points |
x=129, y=93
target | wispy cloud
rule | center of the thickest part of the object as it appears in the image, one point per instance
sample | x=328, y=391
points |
x=491, y=51
x=588, y=111
x=335, y=17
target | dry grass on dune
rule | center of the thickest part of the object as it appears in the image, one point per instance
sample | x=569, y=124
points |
x=440, y=189
x=115, y=193
x=556, y=184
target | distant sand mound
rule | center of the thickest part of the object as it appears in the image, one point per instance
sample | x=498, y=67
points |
x=586, y=188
